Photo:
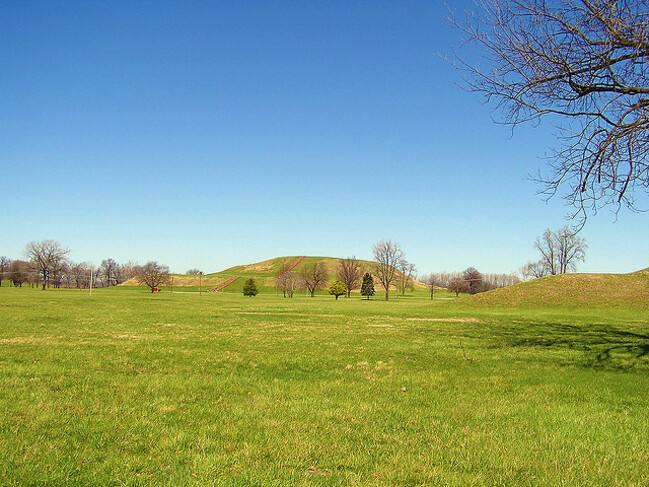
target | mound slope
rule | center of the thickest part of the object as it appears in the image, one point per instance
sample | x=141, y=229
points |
x=264, y=272
x=617, y=290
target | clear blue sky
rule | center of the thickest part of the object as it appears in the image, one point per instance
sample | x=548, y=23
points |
x=210, y=134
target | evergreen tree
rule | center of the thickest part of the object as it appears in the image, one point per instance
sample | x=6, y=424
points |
x=367, y=288
x=337, y=288
x=250, y=287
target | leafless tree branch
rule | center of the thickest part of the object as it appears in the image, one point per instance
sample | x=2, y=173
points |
x=584, y=64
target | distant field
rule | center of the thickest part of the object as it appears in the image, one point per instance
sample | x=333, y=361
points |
x=132, y=388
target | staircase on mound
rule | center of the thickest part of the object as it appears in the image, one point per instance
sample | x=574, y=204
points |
x=224, y=285
x=292, y=266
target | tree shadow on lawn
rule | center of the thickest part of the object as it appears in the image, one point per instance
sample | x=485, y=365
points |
x=603, y=345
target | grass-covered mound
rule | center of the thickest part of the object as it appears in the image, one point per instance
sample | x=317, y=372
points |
x=264, y=273
x=573, y=290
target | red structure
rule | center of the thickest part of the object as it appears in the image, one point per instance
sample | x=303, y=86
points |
x=224, y=285
x=292, y=266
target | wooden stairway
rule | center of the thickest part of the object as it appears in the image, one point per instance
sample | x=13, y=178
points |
x=292, y=266
x=224, y=285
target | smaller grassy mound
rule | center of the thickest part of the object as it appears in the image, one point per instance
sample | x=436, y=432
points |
x=607, y=290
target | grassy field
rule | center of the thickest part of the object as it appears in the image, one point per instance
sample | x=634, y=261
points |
x=132, y=388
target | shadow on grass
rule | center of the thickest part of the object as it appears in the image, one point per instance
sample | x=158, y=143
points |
x=602, y=346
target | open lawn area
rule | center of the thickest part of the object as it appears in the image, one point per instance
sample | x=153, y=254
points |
x=126, y=387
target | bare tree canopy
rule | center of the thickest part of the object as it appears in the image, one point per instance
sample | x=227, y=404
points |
x=130, y=270
x=314, y=276
x=153, y=275
x=288, y=282
x=585, y=64
x=350, y=273
x=533, y=270
x=48, y=258
x=80, y=274
x=408, y=271
x=388, y=255
x=109, y=270
x=495, y=281
x=432, y=281
x=5, y=262
x=19, y=272
x=474, y=279
x=458, y=285
x=560, y=251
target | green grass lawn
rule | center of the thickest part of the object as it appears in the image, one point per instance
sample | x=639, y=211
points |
x=132, y=388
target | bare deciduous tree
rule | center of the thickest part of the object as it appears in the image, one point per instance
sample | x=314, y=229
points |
x=64, y=278
x=432, y=281
x=444, y=279
x=350, y=273
x=153, y=275
x=80, y=275
x=5, y=262
x=47, y=257
x=19, y=272
x=560, y=251
x=458, y=285
x=474, y=279
x=387, y=255
x=288, y=282
x=547, y=246
x=129, y=271
x=406, y=277
x=572, y=249
x=109, y=271
x=313, y=276
x=583, y=64
x=534, y=270
x=496, y=281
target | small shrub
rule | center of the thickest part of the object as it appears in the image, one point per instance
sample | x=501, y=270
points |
x=337, y=288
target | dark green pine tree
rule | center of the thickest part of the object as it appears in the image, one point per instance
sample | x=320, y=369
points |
x=367, y=288
x=250, y=287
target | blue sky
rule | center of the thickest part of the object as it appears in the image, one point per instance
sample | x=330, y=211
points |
x=211, y=134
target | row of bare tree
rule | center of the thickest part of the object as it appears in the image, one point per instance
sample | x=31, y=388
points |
x=390, y=269
x=312, y=276
x=470, y=281
x=47, y=265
